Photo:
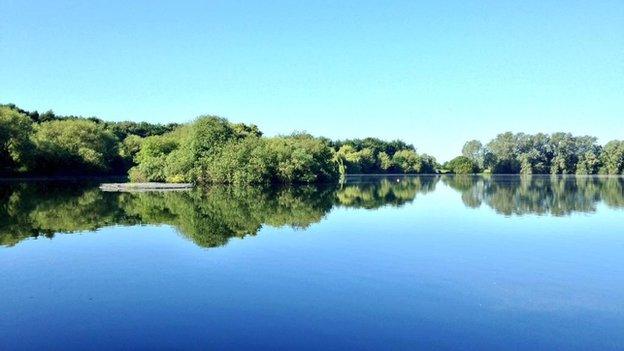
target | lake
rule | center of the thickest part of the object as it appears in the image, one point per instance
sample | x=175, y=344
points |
x=378, y=263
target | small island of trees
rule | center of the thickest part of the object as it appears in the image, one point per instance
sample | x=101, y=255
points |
x=213, y=150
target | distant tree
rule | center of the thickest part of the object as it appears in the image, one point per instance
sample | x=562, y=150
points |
x=371, y=155
x=246, y=130
x=612, y=157
x=503, y=154
x=558, y=153
x=473, y=150
x=142, y=129
x=564, y=153
x=533, y=153
x=588, y=163
x=429, y=164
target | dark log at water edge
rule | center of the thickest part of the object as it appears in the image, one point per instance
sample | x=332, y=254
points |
x=137, y=187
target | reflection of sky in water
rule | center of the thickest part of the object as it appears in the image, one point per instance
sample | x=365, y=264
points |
x=430, y=274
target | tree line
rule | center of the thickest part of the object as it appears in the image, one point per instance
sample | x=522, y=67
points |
x=557, y=153
x=213, y=150
x=208, y=150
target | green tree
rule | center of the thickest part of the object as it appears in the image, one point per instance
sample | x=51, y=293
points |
x=407, y=161
x=612, y=157
x=151, y=159
x=588, y=163
x=502, y=156
x=564, y=153
x=371, y=155
x=244, y=162
x=212, y=150
x=16, y=149
x=558, y=153
x=74, y=147
x=351, y=158
x=301, y=158
x=124, y=129
x=429, y=165
x=534, y=153
x=462, y=165
x=473, y=150
x=385, y=162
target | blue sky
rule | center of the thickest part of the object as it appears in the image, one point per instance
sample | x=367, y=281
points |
x=433, y=73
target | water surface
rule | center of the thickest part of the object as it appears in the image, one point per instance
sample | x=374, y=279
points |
x=470, y=263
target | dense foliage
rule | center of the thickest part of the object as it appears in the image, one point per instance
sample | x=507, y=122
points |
x=371, y=155
x=214, y=150
x=48, y=144
x=73, y=145
x=557, y=153
x=16, y=150
x=462, y=165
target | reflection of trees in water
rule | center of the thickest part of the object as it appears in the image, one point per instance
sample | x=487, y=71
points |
x=210, y=216
x=35, y=209
x=371, y=193
x=612, y=193
x=207, y=216
x=554, y=195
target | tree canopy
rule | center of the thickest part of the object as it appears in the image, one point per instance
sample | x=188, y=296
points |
x=212, y=149
x=16, y=149
x=462, y=165
x=33, y=143
x=557, y=153
x=80, y=146
x=372, y=155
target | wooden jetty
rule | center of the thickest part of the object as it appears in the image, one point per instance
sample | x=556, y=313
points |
x=137, y=187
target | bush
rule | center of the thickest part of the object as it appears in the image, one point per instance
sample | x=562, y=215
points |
x=462, y=165
x=407, y=161
x=74, y=147
x=212, y=150
x=152, y=158
x=245, y=162
x=301, y=158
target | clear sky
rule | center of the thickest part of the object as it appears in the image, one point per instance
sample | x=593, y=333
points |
x=434, y=73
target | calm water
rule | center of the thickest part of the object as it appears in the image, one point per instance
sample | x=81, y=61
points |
x=466, y=263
